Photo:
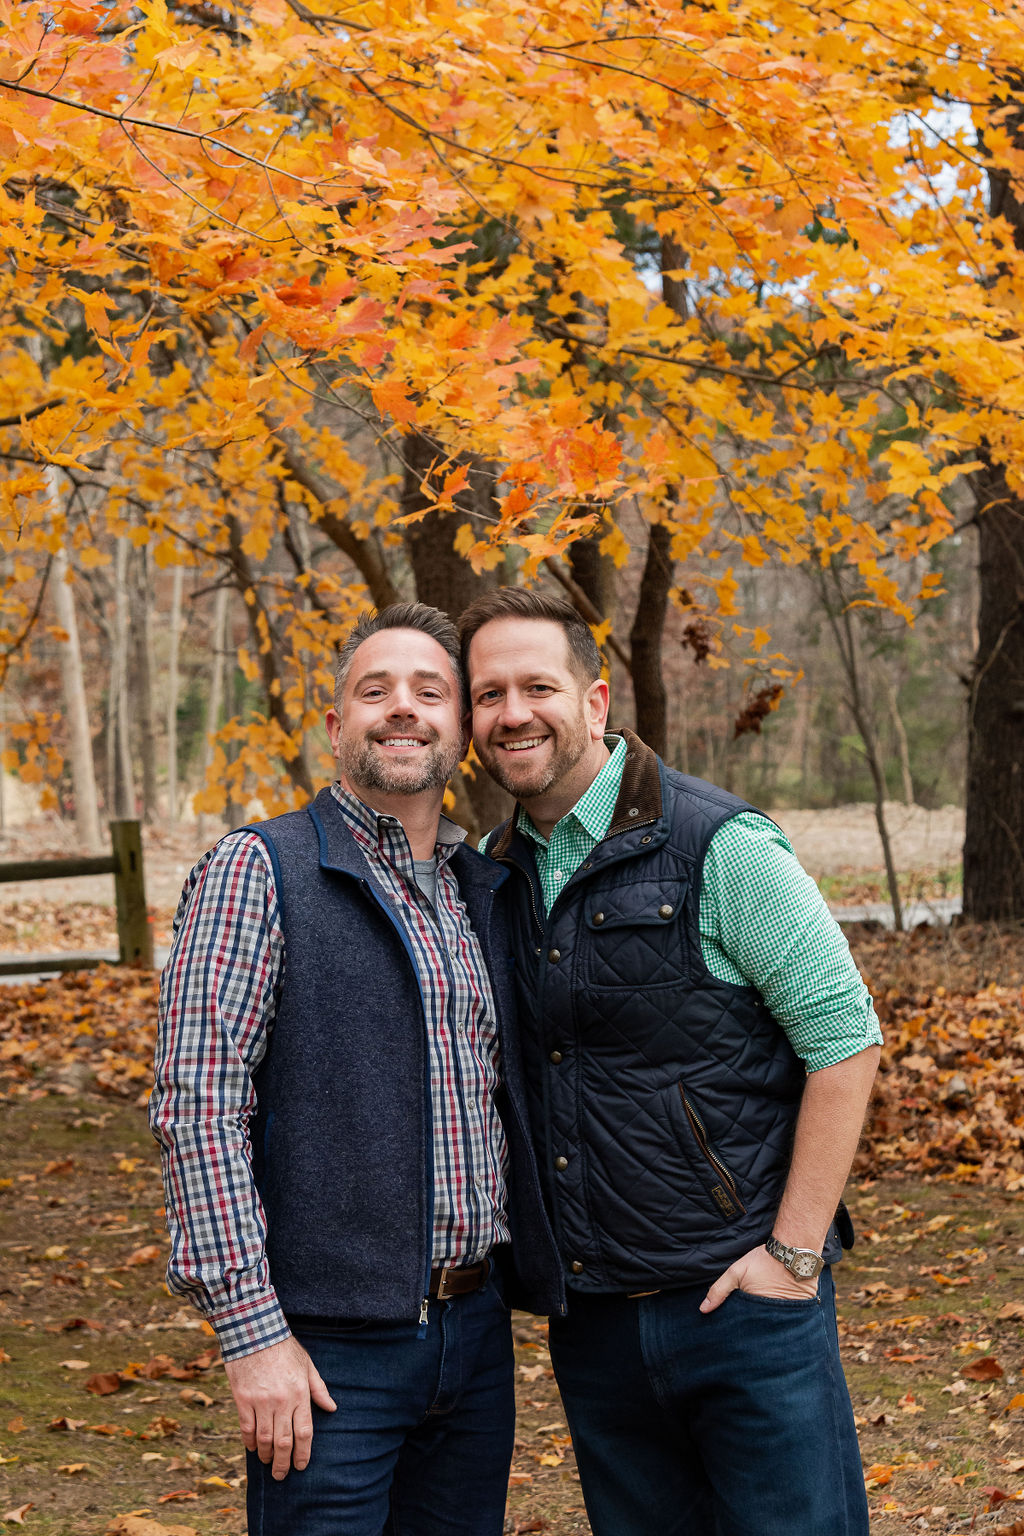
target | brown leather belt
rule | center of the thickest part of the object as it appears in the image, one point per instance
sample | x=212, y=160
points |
x=459, y=1279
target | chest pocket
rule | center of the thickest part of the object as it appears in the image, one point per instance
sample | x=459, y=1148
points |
x=635, y=935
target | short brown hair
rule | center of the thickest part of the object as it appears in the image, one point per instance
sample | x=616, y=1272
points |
x=429, y=621
x=525, y=603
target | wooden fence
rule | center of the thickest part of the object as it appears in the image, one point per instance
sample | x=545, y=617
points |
x=124, y=862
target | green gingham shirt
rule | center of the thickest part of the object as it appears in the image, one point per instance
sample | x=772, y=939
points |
x=763, y=921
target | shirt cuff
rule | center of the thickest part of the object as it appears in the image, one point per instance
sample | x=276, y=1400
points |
x=249, y=1325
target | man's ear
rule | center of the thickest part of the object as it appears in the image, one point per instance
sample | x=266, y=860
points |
x=332, y=721
x=596, y=701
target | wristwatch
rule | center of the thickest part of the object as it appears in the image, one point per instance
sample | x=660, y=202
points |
x=804, y=1263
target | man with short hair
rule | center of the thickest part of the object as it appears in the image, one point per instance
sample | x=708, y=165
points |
x=339, y=1102
x=699, y=1053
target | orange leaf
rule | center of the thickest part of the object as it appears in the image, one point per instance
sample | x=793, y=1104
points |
x=985, y=1369
x=105, y=1382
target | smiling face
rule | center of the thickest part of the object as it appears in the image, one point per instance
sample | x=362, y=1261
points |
x=399, y=731
x=537, y=727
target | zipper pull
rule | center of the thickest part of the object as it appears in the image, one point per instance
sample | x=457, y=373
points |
x=424, y=1311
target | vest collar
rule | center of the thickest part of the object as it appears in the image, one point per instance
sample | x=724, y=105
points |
x=340, y=851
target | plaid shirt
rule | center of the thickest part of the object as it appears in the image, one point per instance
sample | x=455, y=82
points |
x=763, y=921
x=216, y=1009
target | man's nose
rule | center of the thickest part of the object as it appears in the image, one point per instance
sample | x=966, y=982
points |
x=515, y=711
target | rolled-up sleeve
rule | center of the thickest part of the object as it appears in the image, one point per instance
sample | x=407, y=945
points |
x=217, y=1001
x=765, y=924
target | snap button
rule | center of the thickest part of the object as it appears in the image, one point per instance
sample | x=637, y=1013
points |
x=634, y=811
x=665, y=911
x=598, y=919
x=577, y=1267
x=554, y=954
x=537, y=951
x=561, y=1163
x=556, y=1057
x=646, y=838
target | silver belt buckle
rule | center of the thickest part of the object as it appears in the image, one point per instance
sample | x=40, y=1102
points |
x=443, y=1293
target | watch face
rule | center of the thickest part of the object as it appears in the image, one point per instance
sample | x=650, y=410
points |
x=805, y=1265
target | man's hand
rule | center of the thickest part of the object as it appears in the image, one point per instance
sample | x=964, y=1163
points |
x=762, y=1275
x=272, y=1389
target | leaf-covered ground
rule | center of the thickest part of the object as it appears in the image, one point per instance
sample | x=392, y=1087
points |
x=113, y=1405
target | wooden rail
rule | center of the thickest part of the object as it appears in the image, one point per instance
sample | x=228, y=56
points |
x=124, y=862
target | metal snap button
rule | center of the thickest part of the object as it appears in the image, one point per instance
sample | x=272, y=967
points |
x=598, y=919
x=556, y=1057
x=646, y=838
x=561, y=1163
x=554, y=954
x=577, y=1267
x=665, y=911
x=634, y=811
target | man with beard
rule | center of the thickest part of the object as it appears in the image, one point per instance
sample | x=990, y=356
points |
x=699, y=1052
x=339, y=1106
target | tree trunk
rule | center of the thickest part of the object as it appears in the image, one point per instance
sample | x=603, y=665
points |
x=120, y=774
x=141, y=630
x=649, y=697
x=215, y=696
x=83, y=776
x=177, y=583
x=447, y=581
x=994, y=833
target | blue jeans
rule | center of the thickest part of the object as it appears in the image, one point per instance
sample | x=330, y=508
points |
x=421, y=1441
x=737, y=1423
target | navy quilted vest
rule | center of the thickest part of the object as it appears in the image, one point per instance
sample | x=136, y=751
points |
x=341, y=1136
x=662, y=1100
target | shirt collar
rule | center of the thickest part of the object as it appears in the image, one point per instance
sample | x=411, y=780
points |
x=596, y=806
x=381, y=825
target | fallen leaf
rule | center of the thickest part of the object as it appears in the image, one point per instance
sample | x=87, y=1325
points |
x=1015, y=1402
x=74, y=1365
x=1011, y=1311
x=195, y=1399
x=138, y=1525
x=147, y=1255
x=104, y=1383
x=71, y=1467
x=61, y=1165
x=985, y=1369
x=17, y=1516
x=878, y=1475
x=55, y=1252
x=65, y=1423
x=16, y=1426
x=551, y=1459
x=910, y=1404
x=177, y=1495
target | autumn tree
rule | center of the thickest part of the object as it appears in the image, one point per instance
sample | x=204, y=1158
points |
x=340, y=307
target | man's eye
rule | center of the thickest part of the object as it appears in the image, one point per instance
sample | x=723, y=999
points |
x=488, y=697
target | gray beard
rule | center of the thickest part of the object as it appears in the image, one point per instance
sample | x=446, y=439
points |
x=362, y=766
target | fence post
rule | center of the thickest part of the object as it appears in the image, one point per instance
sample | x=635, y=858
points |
x=134, y=934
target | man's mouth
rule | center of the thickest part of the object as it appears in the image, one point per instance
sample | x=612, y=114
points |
x=399, y=741
x=522, y=746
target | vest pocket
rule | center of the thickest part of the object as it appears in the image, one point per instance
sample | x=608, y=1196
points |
x=717, y=1179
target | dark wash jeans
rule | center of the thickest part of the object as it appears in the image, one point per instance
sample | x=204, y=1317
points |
x=421, y=1442
x=737, y=1423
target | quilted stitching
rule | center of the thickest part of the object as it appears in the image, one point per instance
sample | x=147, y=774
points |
x=635, y=1015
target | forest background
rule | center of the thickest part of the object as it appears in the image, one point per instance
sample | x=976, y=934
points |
x=706, y=315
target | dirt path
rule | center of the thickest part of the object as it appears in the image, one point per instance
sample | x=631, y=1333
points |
x=836, y=842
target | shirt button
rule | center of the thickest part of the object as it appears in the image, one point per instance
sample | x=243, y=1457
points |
x=554, y=955
x=576, y=1267
x=561, y=1163
x=634, y=811
x=556, y=874
x=556, y=1057
x=665, y=911
x=598, y=919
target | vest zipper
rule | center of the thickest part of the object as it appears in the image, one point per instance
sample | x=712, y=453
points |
x=699, y=1130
